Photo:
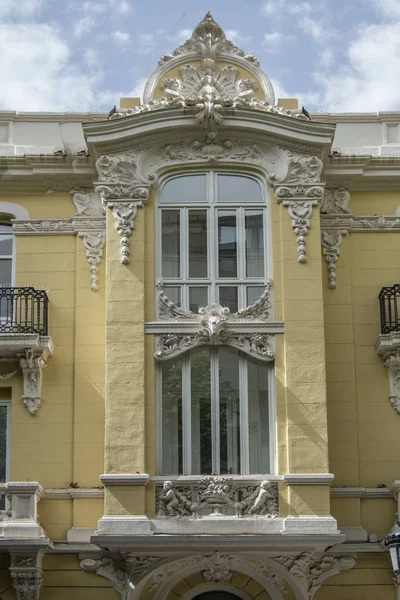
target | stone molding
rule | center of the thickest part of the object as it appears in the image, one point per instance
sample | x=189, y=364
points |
x=308, y=478
x=388, y=347
x=218, y=493
x=361, y=492
x=331, y=241
x=88, y=223
x=179, y=330
x=124, y=479
x=72, y=493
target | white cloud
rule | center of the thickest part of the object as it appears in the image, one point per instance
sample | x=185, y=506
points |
x=272, y=41
x=235, y=37
x=35, y=63
x=94, y=7
x=83, y=26
x=273, y=7
x=369, y=80
x=389, y=8
x=138, y=88
x=147, y=43
x=20, y=8
x=180, y=37
x=121, y=38
x=91, y=58
x=316, y=29
x=301, y=8
x=121, y=6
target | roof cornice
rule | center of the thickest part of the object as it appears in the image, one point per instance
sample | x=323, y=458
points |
x=363, y=172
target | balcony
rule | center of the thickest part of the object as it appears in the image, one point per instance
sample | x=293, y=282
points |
x=388, y=343
x=24, y=338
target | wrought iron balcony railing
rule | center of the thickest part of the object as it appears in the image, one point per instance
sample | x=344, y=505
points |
x=389, y=299
x=23, y=310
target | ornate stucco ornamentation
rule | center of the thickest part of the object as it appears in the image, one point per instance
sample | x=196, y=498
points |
x=105, y=567
x=300, y=191
x=26, y=575
x=87, y=203
x=94, y=243
x=209, y=40
x=217, y=493
x=331, y=241
x=335, y=201
x=392, y=363
x=180, y=330
x=218, y=567
x=32, y=363
x=123, y=189
x=311, y=572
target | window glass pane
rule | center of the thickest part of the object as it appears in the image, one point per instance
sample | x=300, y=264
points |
x=228, y=296
x=258, y=417
x=201, y=411
x=186, y=189
x=227, y=244
x=254, y=243
x=234, y=188
x=172, y=417
x=197, y=243
x=198, y=296
x=171, y=250
x=253, y=293
x=229, y=412
x=5, y=271
x=6, y=242
x=174, y=293
x=3, y=443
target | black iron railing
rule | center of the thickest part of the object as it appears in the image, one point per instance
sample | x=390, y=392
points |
x=23, y=310
x=389, y=300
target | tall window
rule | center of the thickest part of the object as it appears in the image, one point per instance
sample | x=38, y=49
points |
x=214, y=402
x=6, y=252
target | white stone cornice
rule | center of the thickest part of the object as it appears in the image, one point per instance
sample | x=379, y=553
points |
x=308, y=478
x=361, y=492
x=363, y=172
x=108, y=479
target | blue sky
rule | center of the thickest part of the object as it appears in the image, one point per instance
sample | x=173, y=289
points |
x=66, y=55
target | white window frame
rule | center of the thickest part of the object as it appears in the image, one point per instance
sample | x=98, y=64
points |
x=212, y=281
x=13, y=253
x=7, y=404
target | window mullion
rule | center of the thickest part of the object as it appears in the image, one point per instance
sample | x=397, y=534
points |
x=241, y=256
x=186, y=416
x=244, y=416
x=215, y=427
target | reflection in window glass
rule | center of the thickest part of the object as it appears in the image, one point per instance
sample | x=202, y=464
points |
x=185, y=190
x=254, y=243
x=200, y=375
x=227, y=243
x=172, y=455
x=254, y=293
x=228, y=296
x=229, y=411
x=6, y=244
x=171, y=250
x=198, y=296
x=234, y=188
x=258, y=417
x=197, y=244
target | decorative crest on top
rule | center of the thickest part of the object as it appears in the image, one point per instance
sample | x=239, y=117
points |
x=209, y=40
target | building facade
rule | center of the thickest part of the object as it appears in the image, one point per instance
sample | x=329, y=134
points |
x=199, y=343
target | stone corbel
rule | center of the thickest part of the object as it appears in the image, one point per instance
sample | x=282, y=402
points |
x=94, y=243
x=331, y=241
x=300, y=191
x=32, y=363
x=26, y=574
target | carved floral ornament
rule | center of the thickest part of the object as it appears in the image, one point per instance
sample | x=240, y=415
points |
x=249, y=330
x=303, y=573
x=125, y=179
x=206, y=89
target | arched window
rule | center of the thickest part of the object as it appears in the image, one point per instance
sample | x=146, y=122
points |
x=214, y=402
x=216, y=595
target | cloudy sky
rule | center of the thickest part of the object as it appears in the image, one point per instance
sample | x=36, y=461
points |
x=63, y=55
